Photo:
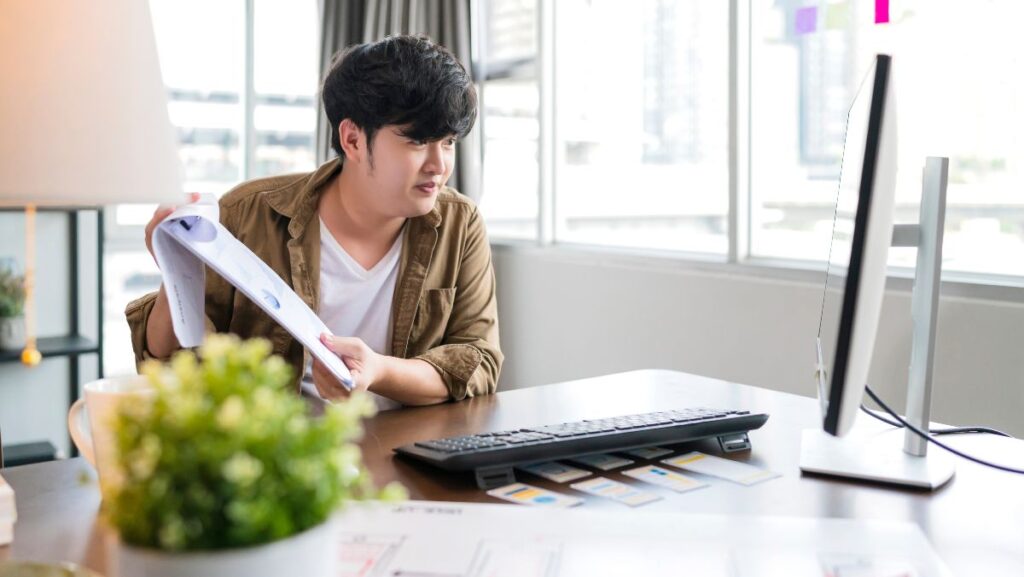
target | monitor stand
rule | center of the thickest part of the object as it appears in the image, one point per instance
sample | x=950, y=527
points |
x=875, y=456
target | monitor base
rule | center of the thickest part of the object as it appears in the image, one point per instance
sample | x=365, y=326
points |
x=876, y=456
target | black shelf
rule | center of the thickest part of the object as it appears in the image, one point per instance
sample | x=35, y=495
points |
x=55, y=347
x=72, y=346
x=27, y=453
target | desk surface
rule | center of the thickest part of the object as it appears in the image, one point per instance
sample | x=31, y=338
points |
x=975, y=523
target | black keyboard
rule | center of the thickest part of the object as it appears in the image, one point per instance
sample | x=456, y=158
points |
x=492, y=455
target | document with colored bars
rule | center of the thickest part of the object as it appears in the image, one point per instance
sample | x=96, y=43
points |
x=192, y=238
x=416, y=539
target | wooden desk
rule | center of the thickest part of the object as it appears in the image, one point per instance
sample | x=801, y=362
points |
x=975, y=523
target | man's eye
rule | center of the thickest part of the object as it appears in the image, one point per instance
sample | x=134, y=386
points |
x=451, y=142
x=416, y=142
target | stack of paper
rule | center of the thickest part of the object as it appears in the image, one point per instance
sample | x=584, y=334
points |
x=8, y=514
x=193, y=236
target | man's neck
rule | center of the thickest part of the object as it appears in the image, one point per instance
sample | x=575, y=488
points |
x=350, y=218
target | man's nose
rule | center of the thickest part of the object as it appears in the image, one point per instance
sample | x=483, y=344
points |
x=435, y=159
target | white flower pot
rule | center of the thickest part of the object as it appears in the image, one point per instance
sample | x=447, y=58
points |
x=313, y=553
x=12, y=332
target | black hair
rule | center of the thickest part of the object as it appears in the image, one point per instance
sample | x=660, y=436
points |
x=402, y=80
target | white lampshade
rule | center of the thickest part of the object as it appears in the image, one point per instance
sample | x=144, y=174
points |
x=83, y=109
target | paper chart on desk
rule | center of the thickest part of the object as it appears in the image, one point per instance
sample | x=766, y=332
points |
x=478, y=540
x=193, y=236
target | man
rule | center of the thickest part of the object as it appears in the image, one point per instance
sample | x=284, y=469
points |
x=395, y=263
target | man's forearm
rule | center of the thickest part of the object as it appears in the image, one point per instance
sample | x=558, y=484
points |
x=160, y=338
x=411, y=382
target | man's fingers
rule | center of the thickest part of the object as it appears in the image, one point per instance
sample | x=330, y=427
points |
x=357, y=380
x=343, y=346
x=165, y=210
x=326, y=384
x=161, y=213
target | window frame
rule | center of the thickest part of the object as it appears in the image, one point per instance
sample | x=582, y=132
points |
x=126, y=237
x=739, y=258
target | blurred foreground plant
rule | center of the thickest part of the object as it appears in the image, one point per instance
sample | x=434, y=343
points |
x=225, y=456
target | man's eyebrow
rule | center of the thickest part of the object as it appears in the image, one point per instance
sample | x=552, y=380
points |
x=406, y=133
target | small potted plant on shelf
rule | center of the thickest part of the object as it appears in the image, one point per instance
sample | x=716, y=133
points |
x=225, y=472
x=12, y=309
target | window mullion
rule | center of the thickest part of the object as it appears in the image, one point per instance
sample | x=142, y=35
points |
x=546, y=146
x=739, y=130
x=247, y=138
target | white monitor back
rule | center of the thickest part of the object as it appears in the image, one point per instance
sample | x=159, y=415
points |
x=862, y=235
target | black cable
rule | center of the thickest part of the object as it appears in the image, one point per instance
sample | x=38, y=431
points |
x=946, y=431
x=935, y=441
x=970, y=430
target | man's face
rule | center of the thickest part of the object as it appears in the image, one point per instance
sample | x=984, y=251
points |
x=405, y=176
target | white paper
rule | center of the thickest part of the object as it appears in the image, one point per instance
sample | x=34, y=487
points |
x=193, y=236
x=523, y=494
x=665, y=478
x=616, y=491
x=476, y=540
x=737, y=472
x=8, y=512
x=554, y=471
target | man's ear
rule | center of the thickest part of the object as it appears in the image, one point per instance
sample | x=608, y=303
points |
x=353, y=141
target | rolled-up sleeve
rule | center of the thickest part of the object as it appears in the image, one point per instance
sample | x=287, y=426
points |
x=137, y=313
x=469, y=359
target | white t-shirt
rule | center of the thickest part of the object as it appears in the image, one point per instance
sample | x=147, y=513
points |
x=356, y=302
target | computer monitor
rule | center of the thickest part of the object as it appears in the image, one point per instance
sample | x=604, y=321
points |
x=862, y=233
x=854, y=286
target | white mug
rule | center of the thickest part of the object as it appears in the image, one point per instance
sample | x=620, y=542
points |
x=101, y=401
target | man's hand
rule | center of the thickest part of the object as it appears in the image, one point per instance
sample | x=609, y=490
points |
x=365, y=365
x=408, y=381
x=162, y=212
x=160, y=338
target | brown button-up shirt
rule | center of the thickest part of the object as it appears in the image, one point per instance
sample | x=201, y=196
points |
x=444, y=309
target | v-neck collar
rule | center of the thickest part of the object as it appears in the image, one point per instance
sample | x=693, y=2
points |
x=388, y=259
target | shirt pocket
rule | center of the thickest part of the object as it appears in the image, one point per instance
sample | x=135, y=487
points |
x=280, y=339
x=432, y=314
x=250, y=321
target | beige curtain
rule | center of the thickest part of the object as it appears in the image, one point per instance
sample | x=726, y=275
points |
x=447, y=22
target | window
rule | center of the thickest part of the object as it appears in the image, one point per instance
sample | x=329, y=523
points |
x=641, y=117
x=641, y=94
x=287, y=76
x=201, y=47
x=641, y=125
x=202, y=57
x=962, y=104
x=510, y=99
x=202, y=50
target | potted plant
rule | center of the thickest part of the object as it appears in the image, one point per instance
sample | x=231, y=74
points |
x=225, y=472
x=12, y=310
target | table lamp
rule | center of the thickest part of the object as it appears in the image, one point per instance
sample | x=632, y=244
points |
x=83, y=114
